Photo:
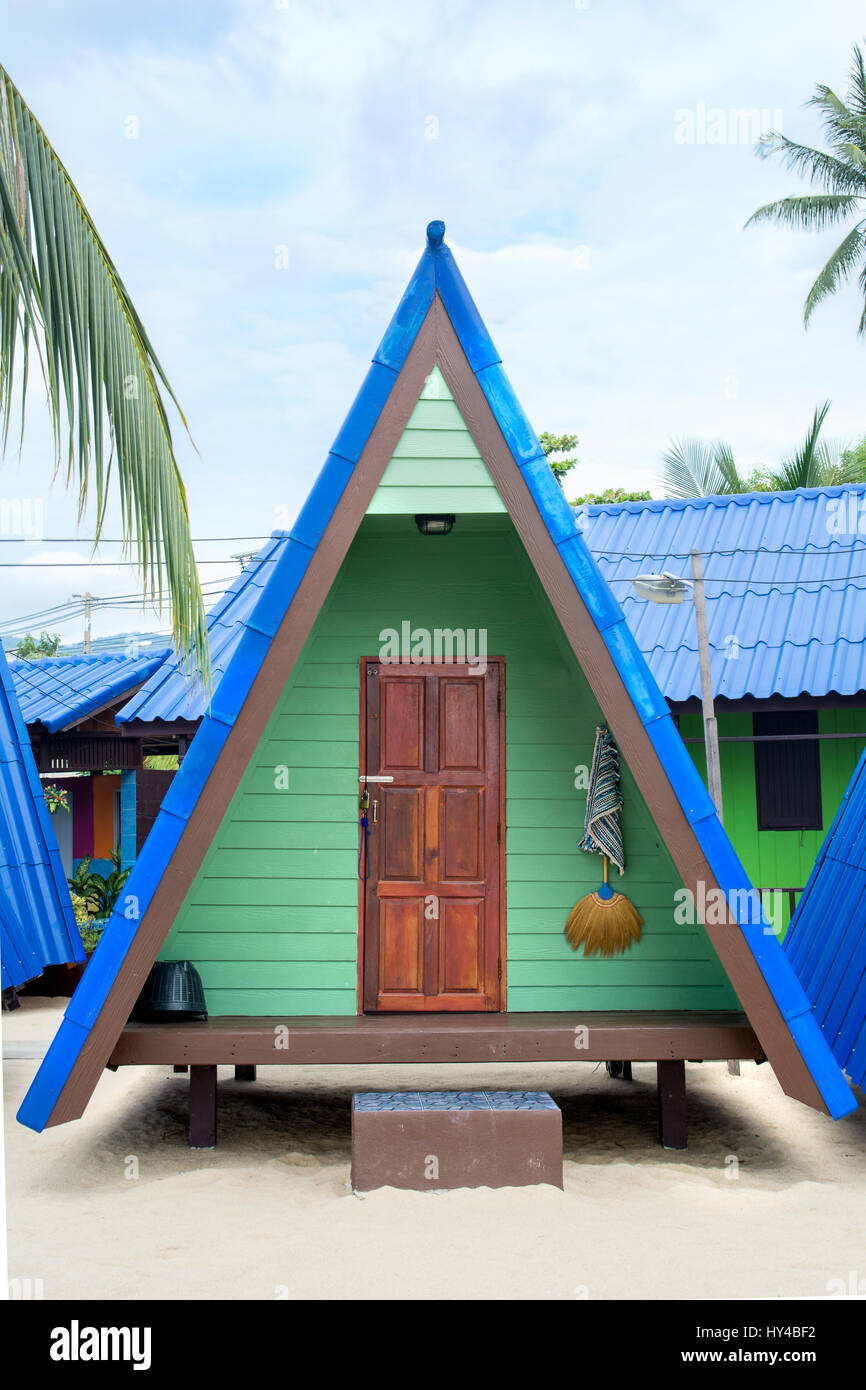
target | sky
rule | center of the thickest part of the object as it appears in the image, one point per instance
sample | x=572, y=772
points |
x=262, y=172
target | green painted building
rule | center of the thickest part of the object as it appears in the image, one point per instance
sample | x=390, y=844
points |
x=786, y=608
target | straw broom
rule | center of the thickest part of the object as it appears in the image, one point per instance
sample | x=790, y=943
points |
x=605, y=923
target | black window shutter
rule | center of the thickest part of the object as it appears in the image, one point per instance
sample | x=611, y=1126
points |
x=788, y=772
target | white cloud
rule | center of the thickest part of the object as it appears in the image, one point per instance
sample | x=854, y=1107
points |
x=262, y=126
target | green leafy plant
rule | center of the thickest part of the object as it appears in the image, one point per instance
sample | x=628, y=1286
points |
x=554, y=445
x=612, y=494
x=99, y=892
x=89, y=930
x=840, y=175
x=56, y=798
x=31, y=648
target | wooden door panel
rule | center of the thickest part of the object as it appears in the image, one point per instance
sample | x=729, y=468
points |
x=461, y=940
x=461, y=833
x=401, y=724
x=401, y=957
x=401, y=832
x=432, y=900
x=461, y=725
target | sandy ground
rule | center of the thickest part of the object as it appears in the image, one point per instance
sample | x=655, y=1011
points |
x=270, y=1214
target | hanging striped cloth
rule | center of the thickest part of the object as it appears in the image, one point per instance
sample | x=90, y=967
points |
x=602, y=832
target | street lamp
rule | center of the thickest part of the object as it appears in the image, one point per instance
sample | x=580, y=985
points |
x=672, y=588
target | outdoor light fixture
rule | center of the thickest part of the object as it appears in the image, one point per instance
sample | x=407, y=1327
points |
x=434, y=525
x=661, y=588
x=672, y=588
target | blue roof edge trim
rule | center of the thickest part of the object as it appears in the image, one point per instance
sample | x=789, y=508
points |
x=639, y=682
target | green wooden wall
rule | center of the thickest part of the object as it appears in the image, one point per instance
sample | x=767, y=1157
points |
x=436, y=466
x=271, y=919
x=777, y=858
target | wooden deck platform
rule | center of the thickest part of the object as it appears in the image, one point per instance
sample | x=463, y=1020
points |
x=668, y=1039
x=415, y=1038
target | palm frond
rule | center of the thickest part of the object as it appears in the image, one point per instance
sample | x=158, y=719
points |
x=693, y=468
x=857, y=79
x=811, y=211
x=838, y=464
x=60, y=290
x=839, y=121
x=833, y=173
x=837, y=269
x=808, y=467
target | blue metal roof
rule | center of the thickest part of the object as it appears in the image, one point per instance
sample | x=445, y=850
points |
x=826, y=941
x=785, y=582
x=37, y=923
x=62, y=690
x=168, y=695
x=436, y=272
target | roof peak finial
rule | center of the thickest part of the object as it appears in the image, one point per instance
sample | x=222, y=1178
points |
x=435, y=234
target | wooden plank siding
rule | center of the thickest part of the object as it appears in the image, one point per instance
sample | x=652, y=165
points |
x=436, y=467
x=271, y=918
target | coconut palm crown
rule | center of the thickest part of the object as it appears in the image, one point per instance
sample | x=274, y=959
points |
x=839, y=173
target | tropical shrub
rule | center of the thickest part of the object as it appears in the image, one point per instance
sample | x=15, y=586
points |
x=99, y=892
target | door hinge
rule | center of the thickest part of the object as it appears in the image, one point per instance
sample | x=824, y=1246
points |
x=499, y=833
x=499, y=969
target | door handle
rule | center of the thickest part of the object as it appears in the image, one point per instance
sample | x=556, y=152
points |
x=375, y=812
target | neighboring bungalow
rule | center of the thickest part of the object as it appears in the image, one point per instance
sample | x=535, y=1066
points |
x=168, y=708
x=371, y=848
x=37, y=922
x=786, y=605
x=69, y=705
x=826, y=943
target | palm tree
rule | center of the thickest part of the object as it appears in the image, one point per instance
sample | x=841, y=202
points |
x=693, y=468
x=840, y=174
x=61, y=294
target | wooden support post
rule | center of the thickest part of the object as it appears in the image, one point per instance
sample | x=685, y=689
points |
x=711, y=727
x=202, y=1107
x=180, y=1068
x=733, y=1066
x=673, y=1133
x=245, y=1073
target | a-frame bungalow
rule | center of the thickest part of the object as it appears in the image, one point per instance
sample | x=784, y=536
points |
x=435, y=627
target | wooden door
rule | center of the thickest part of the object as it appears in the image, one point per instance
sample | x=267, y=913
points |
x=432, y=901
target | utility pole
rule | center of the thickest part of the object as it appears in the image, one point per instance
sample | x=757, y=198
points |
x=88, y=599
x=711, y=728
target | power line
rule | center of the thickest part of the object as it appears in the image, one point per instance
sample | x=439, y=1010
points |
x=113, y=540
x=100, y=564
x=637, y=553
x=822, y=581
x=68, y=610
